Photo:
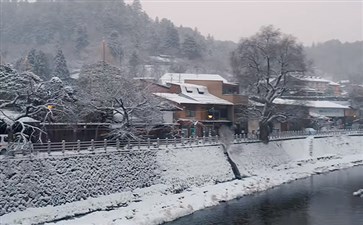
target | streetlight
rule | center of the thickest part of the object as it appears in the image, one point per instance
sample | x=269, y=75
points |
x=211, y=116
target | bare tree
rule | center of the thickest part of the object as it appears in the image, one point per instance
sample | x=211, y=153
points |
x=262, y=63
x=112, y=96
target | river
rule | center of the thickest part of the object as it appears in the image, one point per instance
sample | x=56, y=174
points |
x=325, y=199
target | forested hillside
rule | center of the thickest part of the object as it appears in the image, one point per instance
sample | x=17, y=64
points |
x=341, y=60
x=131, y=38
x=45, y=35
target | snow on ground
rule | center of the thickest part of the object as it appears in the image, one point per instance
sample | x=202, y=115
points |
x=266, y=167
x=194, y=166
x=159, y=207
x=155, y=205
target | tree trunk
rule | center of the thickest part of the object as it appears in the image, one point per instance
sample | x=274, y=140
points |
x=264, y=132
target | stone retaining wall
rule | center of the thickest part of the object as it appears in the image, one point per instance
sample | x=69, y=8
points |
x=41, y=181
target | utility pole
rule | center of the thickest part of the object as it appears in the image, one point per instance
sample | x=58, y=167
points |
x=104, y=50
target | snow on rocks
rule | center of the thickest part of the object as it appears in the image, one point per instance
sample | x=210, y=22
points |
x=194, y=166
x=30, y=182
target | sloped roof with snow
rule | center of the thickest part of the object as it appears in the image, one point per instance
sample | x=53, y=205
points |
x=312, y=104
x=9, y=116
x=332, y=83
x=181, y=77
x=180, y=99
x=193, y=94
x=311, y=78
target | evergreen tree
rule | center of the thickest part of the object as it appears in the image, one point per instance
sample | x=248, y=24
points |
x=13, y=84
x=191, y=49
x=115, y=46
x=39, y=64
x=134, y=62
x=136, y=5
x=81, y=39
x=171, y=42
x=76, y=24
x=60, y=66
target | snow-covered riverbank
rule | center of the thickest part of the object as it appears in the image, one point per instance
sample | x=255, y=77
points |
x=158, y=204
x=154, y=205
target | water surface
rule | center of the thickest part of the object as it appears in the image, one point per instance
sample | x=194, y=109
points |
x=325, y=199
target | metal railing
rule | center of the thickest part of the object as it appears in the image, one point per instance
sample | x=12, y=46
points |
x=155, y=144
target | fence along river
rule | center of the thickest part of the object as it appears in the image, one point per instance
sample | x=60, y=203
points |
x=154, y=144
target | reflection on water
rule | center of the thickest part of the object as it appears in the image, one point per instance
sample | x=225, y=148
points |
x=318, y=200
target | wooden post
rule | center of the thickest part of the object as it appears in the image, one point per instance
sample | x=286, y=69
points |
x=174, y=141
x=166, y=142
x=148, y=143
x=105, y=144
x=157, y=142
x=117, y=144
x=63, y=146
x=92, y=145
x=78, y=145
x=48, y=147
x=182, y=141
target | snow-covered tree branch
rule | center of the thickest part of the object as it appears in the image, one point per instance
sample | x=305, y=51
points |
x=25, y=95
x=262, y=64
x=109, y=95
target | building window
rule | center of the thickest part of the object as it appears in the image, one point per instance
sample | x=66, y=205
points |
x=223, y=114
x=188, y=90
x=190, y=113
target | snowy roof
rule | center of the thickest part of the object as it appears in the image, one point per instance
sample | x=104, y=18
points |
x=144, y=78
x=176, y=98
x=76, y=124
x=312, y=104
x=75, y=74
x=325, y=104
x=311, y=78
x=318, y=115
x=9, y=116
x=163, y=58
x=334, y=83
x=254, y=103
x=344, y=103
x=344, y=81
x=193, y=94
x=181, y=77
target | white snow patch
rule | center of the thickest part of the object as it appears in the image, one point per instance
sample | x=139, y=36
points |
x=268, y=167
x=358, y=193
x=162, y=207
x=194, y=166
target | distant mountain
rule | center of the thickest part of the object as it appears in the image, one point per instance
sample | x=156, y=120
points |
x=341, y=60
x=131, y=38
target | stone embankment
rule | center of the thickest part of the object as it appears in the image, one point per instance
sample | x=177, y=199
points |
x=34, y=181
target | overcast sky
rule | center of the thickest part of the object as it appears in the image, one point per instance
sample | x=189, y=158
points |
x=310, y=21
